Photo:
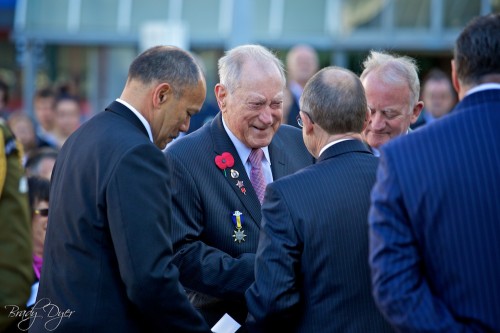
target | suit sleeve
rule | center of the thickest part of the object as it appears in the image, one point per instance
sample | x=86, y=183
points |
x=203, y=268
x=273, y=299
x=139, y=212
x=399, y=283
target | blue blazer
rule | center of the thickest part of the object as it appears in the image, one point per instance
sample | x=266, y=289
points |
x=312, y=272
x=211, y=262
x=108, y=251
x=435, y=223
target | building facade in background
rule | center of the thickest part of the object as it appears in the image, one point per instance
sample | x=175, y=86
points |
x=84, y=47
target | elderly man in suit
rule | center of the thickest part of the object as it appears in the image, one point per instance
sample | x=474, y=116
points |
x=311, y=271
x=107, y=258
x=434, y=220
x=392, y=91
x=219, y=178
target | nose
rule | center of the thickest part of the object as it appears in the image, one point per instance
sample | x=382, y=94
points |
x=185, y=125
x=266, y=116
x=377, y=121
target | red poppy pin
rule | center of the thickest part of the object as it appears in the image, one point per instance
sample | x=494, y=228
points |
x=224, y=160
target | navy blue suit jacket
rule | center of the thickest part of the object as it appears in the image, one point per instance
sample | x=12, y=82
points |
x=108, y=251
x=210, y=261
x=435, y=223
x=312, y=272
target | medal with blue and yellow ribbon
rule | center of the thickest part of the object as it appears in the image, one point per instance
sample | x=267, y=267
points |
x=239, y=233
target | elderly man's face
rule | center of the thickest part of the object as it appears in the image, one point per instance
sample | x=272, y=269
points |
x=391, y=112
x=253, y=111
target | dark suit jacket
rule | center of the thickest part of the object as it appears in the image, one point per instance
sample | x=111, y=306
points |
x=107, y=253
x=311, y=272
x=210, y=261
x=434, y=223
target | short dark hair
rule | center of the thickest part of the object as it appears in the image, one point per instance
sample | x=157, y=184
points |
x=166, y=64
x=477, y=49
x=38, y=189
x=335, y=97
x=45, y=93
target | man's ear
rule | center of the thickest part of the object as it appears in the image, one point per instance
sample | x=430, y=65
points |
x=221, y=95
x=454, y=78
x=416, y=111
x=161, y=94
x=308, y=124
x=367, y=119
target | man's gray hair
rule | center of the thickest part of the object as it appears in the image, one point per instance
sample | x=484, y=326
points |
x=231, y=63
x=394, y=69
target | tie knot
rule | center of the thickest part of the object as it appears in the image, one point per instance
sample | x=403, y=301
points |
x=255, y=157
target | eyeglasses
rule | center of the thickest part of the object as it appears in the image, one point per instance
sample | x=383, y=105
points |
x=42, y=212
x=299, y=120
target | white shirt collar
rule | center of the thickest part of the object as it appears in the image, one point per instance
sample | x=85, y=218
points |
x=244, y=152
x=140, y=116
x=331, y=144
x=241, y=148
x=484, y=86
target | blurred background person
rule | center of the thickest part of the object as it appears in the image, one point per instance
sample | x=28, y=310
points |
x=38, y=193
x=16, y=273
x=392, y=91
x=438, y=96
x=67, y=118
x=41, y=162
x=43, y=108
x=301, y=64
x=23, y=128
x=209, y=109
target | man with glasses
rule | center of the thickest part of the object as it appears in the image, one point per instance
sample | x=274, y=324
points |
x=311, y=271
x=392, y=91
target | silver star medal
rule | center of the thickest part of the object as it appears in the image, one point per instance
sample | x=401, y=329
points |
x=239, y=233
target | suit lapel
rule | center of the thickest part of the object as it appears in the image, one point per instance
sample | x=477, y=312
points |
x=222, y=143
x=123, y=111
x=277, y=155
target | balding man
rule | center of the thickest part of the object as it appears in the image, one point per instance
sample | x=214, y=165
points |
x=311, y=271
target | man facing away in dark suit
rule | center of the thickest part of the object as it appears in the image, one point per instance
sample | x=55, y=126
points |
x=217, y=210
x=107, y=258
x=434, y=220
x=311, y=271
